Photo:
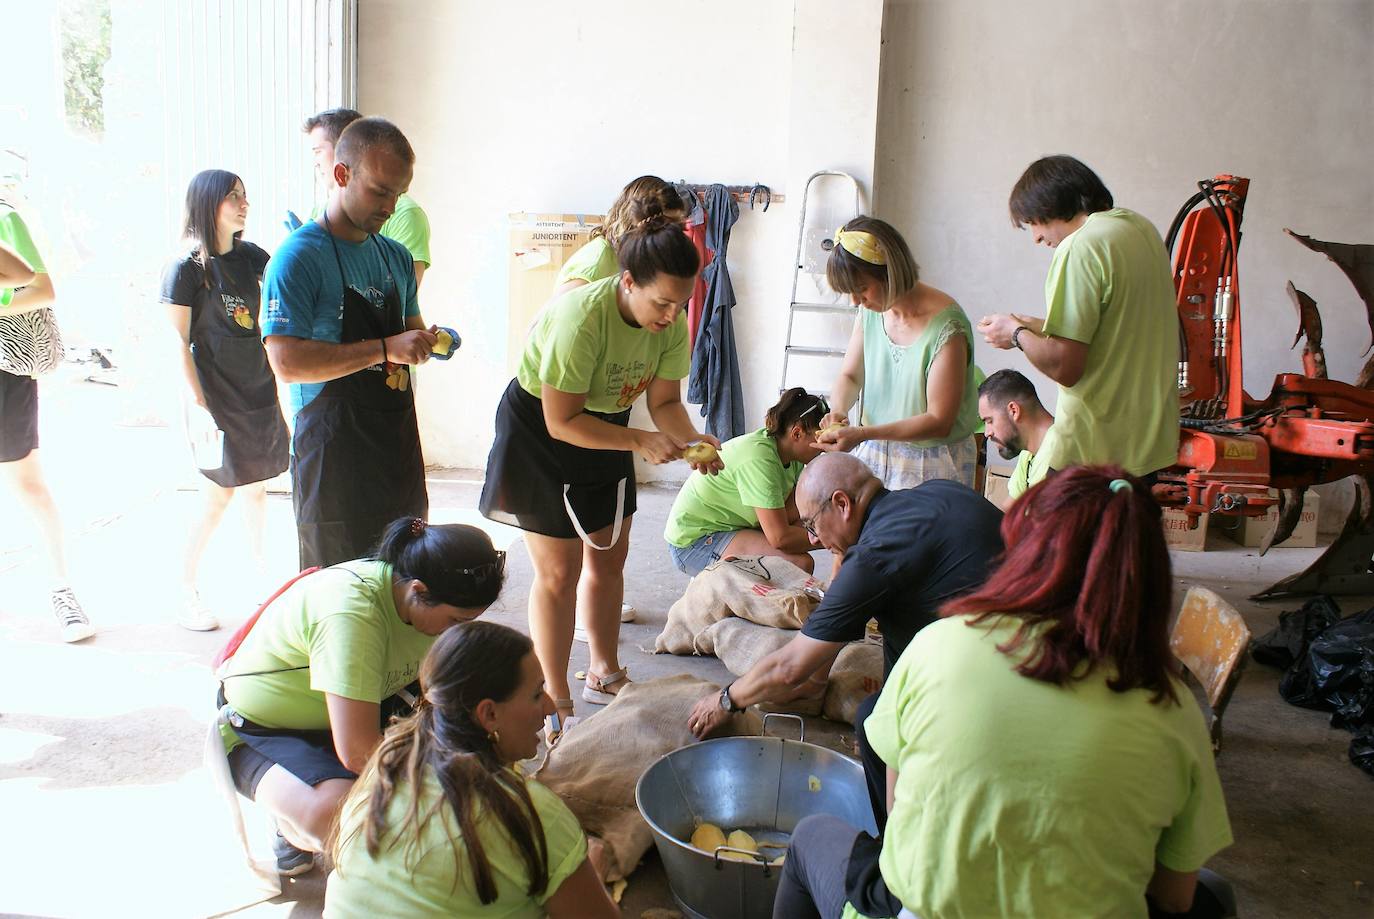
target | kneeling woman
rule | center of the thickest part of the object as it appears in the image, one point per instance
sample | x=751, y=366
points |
x=305, y=696
x=748, y=509
x=442, y=823
x=1043, y=757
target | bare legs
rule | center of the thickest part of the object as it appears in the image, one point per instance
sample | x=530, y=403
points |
x=569, y=574
x=25, y=476
x=303, y=813
x=753, y=542
x=216, y=498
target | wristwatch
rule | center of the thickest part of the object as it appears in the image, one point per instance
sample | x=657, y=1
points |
x=726, y=703
x=1016, y=337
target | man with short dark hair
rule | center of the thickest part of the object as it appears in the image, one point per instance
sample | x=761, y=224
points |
x=341, y=325
x=905, y=553
x=1110, y=333
x=408, y=225
x=1019, y=426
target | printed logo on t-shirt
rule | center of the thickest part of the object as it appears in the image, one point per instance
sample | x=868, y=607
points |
x=277, y=315
x=237, y=310
x=619, y=377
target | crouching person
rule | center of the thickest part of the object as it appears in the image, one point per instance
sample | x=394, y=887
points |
x=442, y=823
x=1043, y=757
x=311, y=682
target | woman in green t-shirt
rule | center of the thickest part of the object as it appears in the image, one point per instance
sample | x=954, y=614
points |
x=645, y=197
x=1042, y=755
x=562, y=465
x=911, y=353
x=442, y=823
x=748, y=509
x=307, y=685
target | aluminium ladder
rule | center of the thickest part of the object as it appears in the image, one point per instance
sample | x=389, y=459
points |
x=795, y=306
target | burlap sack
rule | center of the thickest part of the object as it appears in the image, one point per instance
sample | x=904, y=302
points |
x=740, y=644
x=595, y=766
x=762, y=589
x=857, y=674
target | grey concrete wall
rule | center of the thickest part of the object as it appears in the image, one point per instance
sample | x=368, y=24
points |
x=1153, y=96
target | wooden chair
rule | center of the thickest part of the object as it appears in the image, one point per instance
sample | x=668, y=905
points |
x=1210, y=639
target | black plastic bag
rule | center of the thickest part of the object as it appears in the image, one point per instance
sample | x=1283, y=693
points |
x=1288, y=640
x=1337, y=673
x=1362, y=750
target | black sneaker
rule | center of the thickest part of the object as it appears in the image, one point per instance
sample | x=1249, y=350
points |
x=70, y=617
x=291, y=861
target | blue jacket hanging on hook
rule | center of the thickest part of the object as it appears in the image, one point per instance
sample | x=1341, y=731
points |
x=714, y=383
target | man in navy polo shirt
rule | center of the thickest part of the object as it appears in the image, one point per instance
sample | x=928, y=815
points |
x=905, y=553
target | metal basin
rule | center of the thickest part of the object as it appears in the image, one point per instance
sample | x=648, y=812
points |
x=764, y=785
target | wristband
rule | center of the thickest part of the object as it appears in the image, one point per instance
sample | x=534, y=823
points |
x=386, y=360
x=1016, y=337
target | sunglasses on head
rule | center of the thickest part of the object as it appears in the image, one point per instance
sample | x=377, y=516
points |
x=487, y=570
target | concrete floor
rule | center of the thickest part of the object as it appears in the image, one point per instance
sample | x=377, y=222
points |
x=108, y=810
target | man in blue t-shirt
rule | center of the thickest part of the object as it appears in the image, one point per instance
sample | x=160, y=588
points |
x=342, y=326
x=905, y=553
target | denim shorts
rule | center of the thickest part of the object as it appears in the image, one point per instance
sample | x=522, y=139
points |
x=692, y=559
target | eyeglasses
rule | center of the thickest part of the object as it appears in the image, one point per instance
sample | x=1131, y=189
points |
x=809, y=523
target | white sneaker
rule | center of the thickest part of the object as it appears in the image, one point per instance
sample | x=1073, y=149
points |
x=196, y=616
x=627, y=613
x=70, y=617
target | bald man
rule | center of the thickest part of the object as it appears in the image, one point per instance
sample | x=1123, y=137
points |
x=905, y=553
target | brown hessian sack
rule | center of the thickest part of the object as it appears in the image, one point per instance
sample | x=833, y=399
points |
x=763, y=589
x=595, y=766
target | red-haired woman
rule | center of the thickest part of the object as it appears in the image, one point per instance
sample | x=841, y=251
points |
x=1043, y=757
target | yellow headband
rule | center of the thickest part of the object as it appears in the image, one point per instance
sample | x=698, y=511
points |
x=862, y=245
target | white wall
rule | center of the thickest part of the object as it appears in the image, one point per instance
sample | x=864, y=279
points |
x=1153, y=96
x=546, y=107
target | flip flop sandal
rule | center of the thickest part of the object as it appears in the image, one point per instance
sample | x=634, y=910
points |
x=560, y=722
x=600, y=696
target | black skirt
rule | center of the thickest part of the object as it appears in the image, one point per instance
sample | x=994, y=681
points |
x=528, y=469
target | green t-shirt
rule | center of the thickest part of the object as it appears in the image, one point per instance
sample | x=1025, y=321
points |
x=1016, y=797
x=419, y=879
x=1031, y=468
x=591, y=262
x=895, y=375
x=753, y=477
x=581, y=344
x=14, y=233
x=1110, y=287
x=409, y=226
x=340, y=625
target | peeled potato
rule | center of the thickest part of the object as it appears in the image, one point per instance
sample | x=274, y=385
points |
x=700, y=452
x=742, y=840
x=707, y=837
x=443, y=342
x=832, y=428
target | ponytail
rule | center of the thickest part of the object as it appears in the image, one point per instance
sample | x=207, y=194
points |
x=796, y=406
x=654, y=246
x=468, y=663
x=456, y=562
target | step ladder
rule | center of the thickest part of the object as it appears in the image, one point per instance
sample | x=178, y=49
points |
x=814, y=242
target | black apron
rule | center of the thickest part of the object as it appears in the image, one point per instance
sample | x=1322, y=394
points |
x=239, y=386
x=357, y=464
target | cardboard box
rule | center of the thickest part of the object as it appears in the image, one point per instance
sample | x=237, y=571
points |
x=1250, y=531
x=1177, y=534
x=539, y=245
x=995, y=488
